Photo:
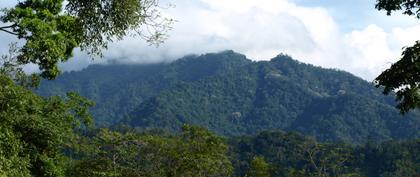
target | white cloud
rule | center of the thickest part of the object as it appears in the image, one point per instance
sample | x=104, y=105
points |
x=261, y=29
x=369, y=51
x=374, y=50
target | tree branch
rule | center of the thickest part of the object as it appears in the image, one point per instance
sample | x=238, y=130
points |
x=10, y=26
x=10, y=32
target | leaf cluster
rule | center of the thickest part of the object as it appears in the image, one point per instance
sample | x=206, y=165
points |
x=52, y=29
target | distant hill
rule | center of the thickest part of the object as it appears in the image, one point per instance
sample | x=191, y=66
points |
x=117, y=89
x=233, y=95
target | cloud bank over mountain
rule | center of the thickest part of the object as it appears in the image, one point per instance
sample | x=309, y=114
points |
x=322, y=34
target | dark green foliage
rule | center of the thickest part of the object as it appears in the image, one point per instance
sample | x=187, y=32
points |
x=197, y=152
x=258, y=168
x=353, y=118
x=409, y=7
x=52, y=32
x=119, y=89
x=194, y=153
x=34, y=130
x=12, y=69
x=280, y=94
x=407, y=89
x=293, y=155
x=50, y=36
x=233, y=96
x=394, y=158
x=404, y=76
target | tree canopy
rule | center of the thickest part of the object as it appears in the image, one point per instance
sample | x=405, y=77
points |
x=232, y=95
x=35, y=130
x=194, y=152
x=404, y=76
x=410, y=7
x=52, y=32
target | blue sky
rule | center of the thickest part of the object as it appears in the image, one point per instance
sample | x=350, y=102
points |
x=345, y=34
x=357, y=14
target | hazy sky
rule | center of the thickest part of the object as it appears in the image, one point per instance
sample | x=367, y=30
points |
x=346, y=34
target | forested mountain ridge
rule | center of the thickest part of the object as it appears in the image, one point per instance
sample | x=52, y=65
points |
x=232, y=95
x=118, y=88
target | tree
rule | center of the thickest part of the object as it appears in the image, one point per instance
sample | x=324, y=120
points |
x=194, y=153
x=259, y=168
x=403, y=76
x=34, y=130
x=52, y=32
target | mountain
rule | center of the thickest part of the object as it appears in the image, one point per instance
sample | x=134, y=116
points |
x=233, y=95
x=117, y=89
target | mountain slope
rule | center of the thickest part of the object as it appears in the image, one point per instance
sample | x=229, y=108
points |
x=234, y=96
x=281, y=94
x=118, y=89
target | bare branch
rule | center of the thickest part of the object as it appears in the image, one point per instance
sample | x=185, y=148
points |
x=10, y=26
x=10, y=32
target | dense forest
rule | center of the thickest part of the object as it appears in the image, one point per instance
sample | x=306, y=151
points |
x=197, y=152
x=291, y=154
x=54, y=135
x=231, y=95
x=212, y=115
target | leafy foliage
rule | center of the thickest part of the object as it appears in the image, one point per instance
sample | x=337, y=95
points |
x=407, y=89
x=51, y=33
x=12, y=69
x=194, y=153
x=35, y=130
x=410, y=7
x=294, y=155
x=403, y=76
x=197, y=152
x=258, y=168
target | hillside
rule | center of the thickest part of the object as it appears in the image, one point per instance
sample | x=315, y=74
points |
x=232, y=95
x=118, y=89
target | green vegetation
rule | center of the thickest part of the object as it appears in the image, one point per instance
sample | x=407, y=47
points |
x=35, y=130
x=404, y=76
x=294, y=155
x=119, y=89
x=194, y=152
x=53, y=136
x=258, y=168
x=232, y=95
x=52, y=32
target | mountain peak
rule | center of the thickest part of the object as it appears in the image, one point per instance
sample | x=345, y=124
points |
x=226, y=55
x=232, y=95
x=217, y=60
x=282, y=57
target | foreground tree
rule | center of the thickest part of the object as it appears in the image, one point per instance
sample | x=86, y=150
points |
x=403, y=76
x=194, y=153
x=34, y=131
x=52, y=32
